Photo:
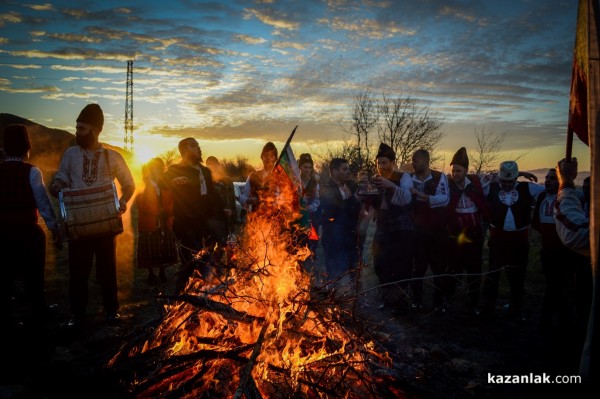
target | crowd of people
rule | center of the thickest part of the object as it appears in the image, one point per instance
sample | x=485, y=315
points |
x=423, y=220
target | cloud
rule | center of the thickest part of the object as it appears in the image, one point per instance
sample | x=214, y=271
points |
x=71, y=37
x=268, y=18
x=10, y=17
x=22, y=66
x=40, y=7
x=3, y=40
x=369, y=28
x=73, y=54
x=88, y=68
x=447, y=10
x=44, y=89
x=249, y=39
x=297, y=46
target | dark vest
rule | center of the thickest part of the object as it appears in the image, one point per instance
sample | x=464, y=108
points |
x=425, y=216
x=17, y=204
x=475, y=192
x=521, y=209
x=395, y=218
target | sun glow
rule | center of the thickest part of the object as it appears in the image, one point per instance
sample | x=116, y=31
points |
x=143, y=154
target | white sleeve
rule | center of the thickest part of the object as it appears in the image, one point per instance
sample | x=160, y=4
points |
x=42, y=201
x=245, y=194
x=572, y=224
x=441, y=197
x=402, y=195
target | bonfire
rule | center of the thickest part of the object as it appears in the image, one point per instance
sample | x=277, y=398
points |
x=258, y=328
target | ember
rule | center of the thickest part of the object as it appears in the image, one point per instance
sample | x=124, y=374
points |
x=257, y=330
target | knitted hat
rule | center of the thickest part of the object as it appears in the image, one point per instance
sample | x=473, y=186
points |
x=269, y=147
x=386, y=151
x=92, y=115
x=305, y=158
x=16, y=140
x=461, y=158
x=509, y=170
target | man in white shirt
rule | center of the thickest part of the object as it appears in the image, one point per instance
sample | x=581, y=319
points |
x=86, y=165
x=430, y=197
x=510, y=204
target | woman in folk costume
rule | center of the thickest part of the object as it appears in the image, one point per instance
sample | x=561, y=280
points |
x=155, y=248
x=309, y=201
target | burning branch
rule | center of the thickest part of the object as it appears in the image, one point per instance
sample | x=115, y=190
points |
x=259, y=331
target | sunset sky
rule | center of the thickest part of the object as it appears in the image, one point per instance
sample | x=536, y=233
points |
x=235, y=74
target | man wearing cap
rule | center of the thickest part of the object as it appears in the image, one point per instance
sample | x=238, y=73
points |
x=430, y=198
x=510, y=204
x=22, y=240
x=86, y=165
x=393, y=242
x=466, y=210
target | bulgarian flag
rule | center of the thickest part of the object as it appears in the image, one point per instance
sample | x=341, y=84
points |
x=288, y=163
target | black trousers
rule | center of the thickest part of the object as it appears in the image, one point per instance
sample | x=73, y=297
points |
x=393, y=261
x=430, y=250
x=511, y=251
x=81, y=258
x=23, y=250
x=465, y=253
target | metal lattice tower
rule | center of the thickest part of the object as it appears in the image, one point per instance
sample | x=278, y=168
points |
x=129, y=108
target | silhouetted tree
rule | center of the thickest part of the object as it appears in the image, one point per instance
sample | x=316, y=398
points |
x=364, y=116
x=406, y=127
x=485, y=157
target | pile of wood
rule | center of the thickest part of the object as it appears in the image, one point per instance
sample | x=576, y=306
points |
x=260, y=329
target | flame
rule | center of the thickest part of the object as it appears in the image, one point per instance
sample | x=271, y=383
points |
x=256, y=327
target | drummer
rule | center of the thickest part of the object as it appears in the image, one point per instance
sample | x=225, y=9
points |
x=87, y=165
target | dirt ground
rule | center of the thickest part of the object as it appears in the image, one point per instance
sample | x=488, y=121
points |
x=435, y=355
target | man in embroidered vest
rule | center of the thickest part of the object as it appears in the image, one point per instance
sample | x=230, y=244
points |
x=430, y=197
x=86, y=165
x=340, y=208
x=466, y=211
x=510, y=216
x=198, y=211
x=22, y=240
x=393, y=242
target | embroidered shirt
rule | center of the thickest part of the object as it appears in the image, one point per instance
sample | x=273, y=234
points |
x=82, y=169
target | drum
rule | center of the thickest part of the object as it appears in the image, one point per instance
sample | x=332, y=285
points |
x=90, y=212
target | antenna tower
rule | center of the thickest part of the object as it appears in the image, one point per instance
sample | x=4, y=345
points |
x=129, y=108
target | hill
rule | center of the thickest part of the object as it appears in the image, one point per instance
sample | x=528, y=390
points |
x=47, y=144
x=541, y=175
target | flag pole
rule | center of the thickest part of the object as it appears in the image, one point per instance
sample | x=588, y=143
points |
x=569, y=145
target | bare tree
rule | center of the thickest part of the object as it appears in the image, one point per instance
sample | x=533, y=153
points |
x=486, y=154
x=171, y=156
x=406, y=127
x=364, y=115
